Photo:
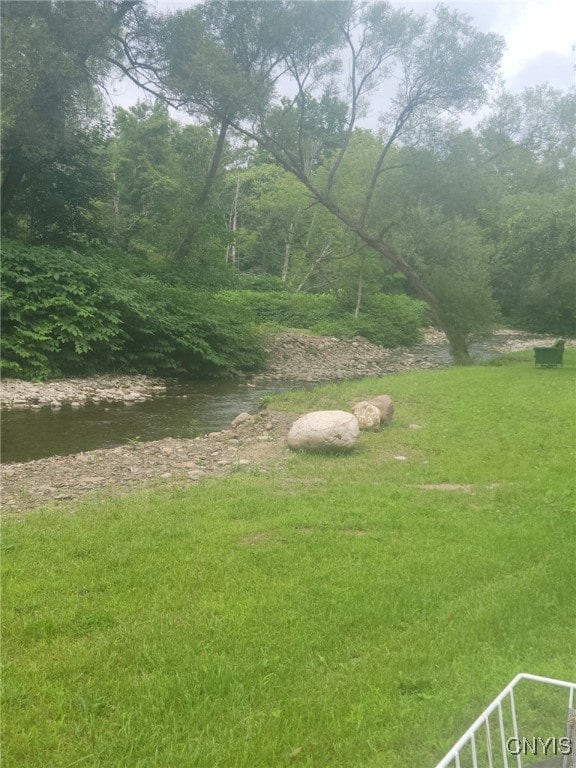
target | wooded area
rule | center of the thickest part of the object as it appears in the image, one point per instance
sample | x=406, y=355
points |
x=245, y=189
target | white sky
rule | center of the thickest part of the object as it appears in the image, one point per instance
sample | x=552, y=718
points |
x=539, y=37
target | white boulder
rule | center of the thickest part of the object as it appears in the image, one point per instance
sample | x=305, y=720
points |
x=324, y=432
x=368, y=415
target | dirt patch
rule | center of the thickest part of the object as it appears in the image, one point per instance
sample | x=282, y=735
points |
x=256, y=539
x=465, y=487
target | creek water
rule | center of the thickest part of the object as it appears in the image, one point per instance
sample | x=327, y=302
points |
x=185, y=411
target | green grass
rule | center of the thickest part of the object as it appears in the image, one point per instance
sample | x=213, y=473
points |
x=328, y=614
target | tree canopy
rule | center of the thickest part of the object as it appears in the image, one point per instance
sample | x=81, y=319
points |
x=249, y=159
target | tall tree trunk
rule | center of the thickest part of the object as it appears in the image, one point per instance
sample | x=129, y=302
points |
x=287, y=249
x=233, y=224
x=184, y=248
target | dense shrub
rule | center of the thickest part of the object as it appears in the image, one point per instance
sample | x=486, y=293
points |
x=292, y=310
x=387, y=320
x=56, y=318
x=391, y=321
x=174, y=331
x=248, y=281
x=549, y=305
x=63, y=314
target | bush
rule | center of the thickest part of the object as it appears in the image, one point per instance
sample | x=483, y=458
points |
x=549, y=305
x=388, y=320
x=56, y=319
x=65, y=314
x=391, y=321
x=174, y=331
x=291, y=310
x=248, y=281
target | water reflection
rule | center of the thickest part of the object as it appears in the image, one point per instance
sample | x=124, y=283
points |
x=186, y=411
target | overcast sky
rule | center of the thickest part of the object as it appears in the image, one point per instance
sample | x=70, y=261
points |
x=539, y=37
x=539, y=34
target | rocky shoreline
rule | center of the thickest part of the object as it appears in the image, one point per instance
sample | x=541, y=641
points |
x=292, y=357
x=18, y=394
x=254, y=443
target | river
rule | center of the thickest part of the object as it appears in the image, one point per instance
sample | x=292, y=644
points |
x=188, y=410
x=185, y=411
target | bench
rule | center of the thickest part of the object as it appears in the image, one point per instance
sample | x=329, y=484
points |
x=550, y=357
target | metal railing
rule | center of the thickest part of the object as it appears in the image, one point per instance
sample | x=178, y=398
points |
x=494, y=740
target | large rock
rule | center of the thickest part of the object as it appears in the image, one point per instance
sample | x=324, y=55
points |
x=242, y=420
x=385, y=406
x=368, y=415
x=324, y=432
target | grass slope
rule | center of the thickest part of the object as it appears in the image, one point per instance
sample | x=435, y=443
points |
x=334, y=614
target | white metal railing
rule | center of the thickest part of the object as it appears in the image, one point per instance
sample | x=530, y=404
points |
x=487, y=744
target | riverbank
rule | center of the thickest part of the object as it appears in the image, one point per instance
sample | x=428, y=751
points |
x=76, y=392
x=292, y=357
x=252, y=445
x=256, y=444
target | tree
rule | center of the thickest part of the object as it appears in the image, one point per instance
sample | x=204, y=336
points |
x=528, y=144
x=55, y=56
x=533, y=273
x=443, y=66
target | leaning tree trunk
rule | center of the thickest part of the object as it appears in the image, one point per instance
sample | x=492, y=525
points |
x=456, y=339
x=458, y=345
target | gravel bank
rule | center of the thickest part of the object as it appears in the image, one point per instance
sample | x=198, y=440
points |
x=20, y=394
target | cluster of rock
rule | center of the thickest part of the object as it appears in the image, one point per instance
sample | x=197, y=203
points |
x=338, y=431
x=304, y=357
x=17, y=394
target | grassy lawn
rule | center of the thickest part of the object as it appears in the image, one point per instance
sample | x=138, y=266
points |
x=329, y=614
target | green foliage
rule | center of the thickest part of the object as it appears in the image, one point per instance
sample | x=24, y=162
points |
x=549, y=303
x=249, y=281
x=293, y=310
x=56, y=202
x=533, y=273
x=172, y=330
x=387, y=320
x=66, y=314
x=56, y=317
x=391, y=321
x=159, y=167
x=53, y=56
x=453, y=257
